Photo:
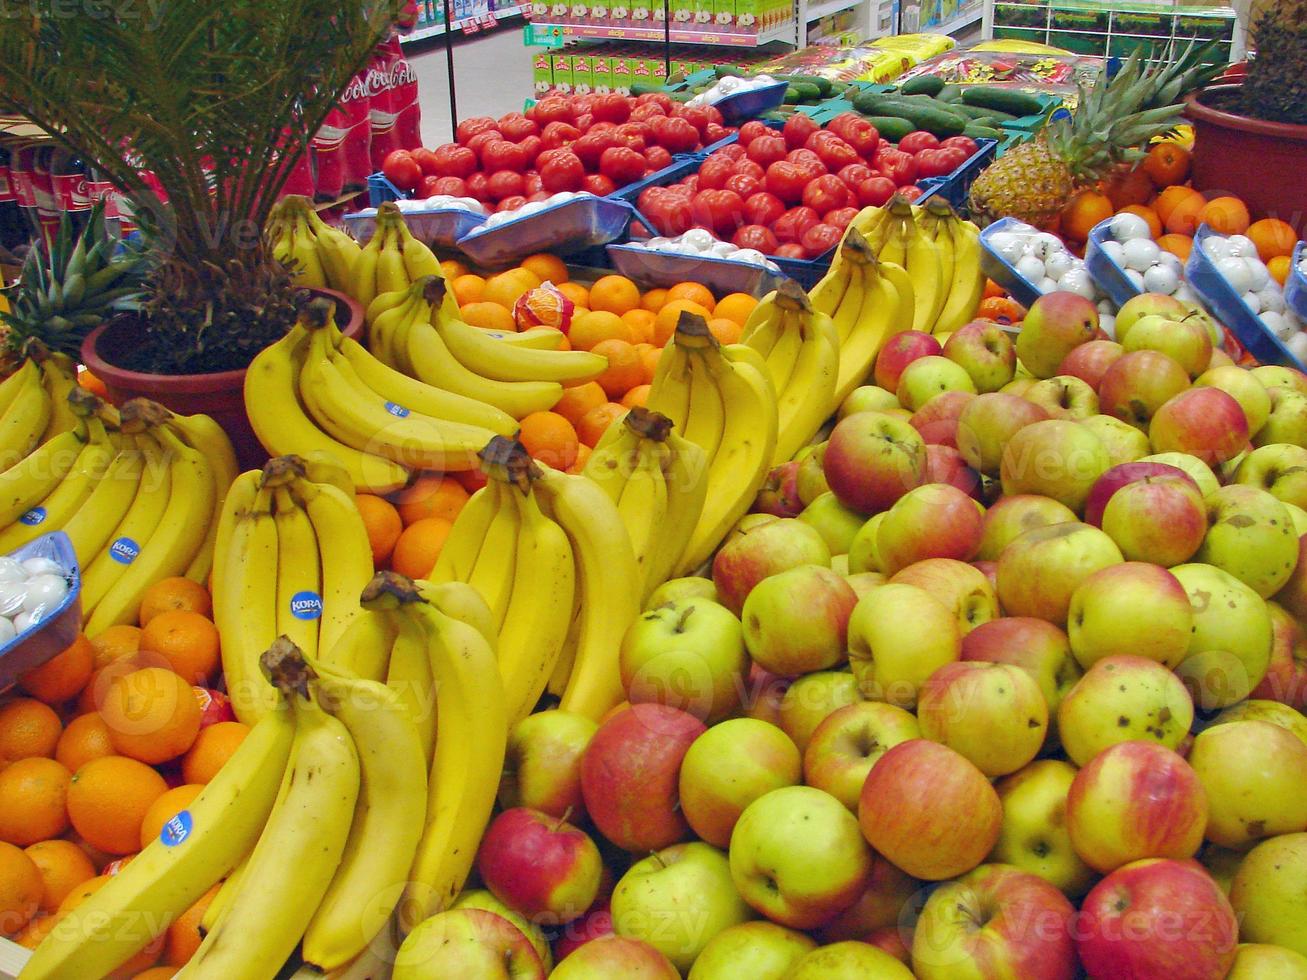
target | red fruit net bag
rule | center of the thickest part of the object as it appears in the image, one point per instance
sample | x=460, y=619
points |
x=544, y=306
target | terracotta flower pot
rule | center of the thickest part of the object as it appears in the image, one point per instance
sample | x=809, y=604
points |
x=1261, y=162
x=220, y=394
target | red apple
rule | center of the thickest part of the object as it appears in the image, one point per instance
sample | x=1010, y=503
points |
x=1089, y=362
x=1158, y=519
x=1286, y=677
x=779, y=495
x=985, y=351
x=937, y=420
x=900, y=351
x=849, y=742
x=932, y=521
x=1040, y=571
x=595, y=924
x=1203, y=422
x=761, y=552
x=468, y=944
x=1117, y=477
x=962, y=588
x=542, y=767
x=1041, y=649
x=895, y=940
x=892, y=897
x=763, y=692
x=539, y=865
x=987, y=423
x=944, y=464
x=1137, y=384
x=1056, y=324
x=615, y=956
x=992, y=714
x=872, y=460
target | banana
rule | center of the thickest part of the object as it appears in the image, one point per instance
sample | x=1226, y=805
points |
x=91, y=527
x=221, y=900
x=336, y=250
x=383, y=303
x=537, y=338
x=832, y=291
x=669, y=394
x=11, y=385
x=685, y=473
x=391, y=271
x=482, y=354
x=393, y=308
x=496, y=562
x=804, y=404
x=408, y=675
x=299, y=573
x=643, y=506
x=304, y=257
x=616, y=456
x=459, y=555
x=203, y=844
x=881, y=314
x=363, y=275
x=763, y=328
x=58, y=378
x=967, y=285
x=935, y=219
x=346, y=556
x=363, y=650
x=790, y=304
x=319, y=467
x=419, y=260
x=744, y=353
x=920, y=260
x=240, y=498
x=202, y=433
x=460, y=601
x=706, y=420
x=24, y=422
x=31, y=481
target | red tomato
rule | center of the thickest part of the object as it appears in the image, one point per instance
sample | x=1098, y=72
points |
x=827, y=193
x=517, y=127
x=750, y=169
x=856, y=131
x=452, y=186
x=676, y=135
x=939, y=163
x=798, y=128
x=657, y=157
x=478, y=142
x=786, y=180
x=732, y=152
x=583, y=122
x=656, y=98
x=426, y=161
x=647, y=112
x=597, y=184
x=897, y=166
x=917, y=141
x=591, y=146
x=755, y=236
x=840, y=218
x=719, y=211
x=716, y=132
x=696, y=116
x=532, y=146
x=581, y=104
x=911, y=192
x=766, y=150
x=561, y=172
x=631, y=135
x=790, y=250
x=962, y=143
x=805, y=157
x=689, y=185
x=511, y=203
x=427, y=188
x=763, y=208
x=602, y=127
x=833, y=151
x=821, y=238
x=506, y=183
x=790, y=226
x=532, y=184
x=611, y=108
x=854, y=174
x=537, y=196
x=470, y=127
x=751, y=130
x=478, y=186
x=402, y=170
x=553, y=109
x=503, y=155
x=558, y=134
x=875, y=192
x=715, y=171
x=622, y=165
x=668, y=218
x=454, y=161
x=715, y=117
x=745, y=185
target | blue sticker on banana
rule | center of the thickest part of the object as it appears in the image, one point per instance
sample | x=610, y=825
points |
x=33, y=517
x=177, y=829
x=306, y=605
x=399, y=411
x=124, y=551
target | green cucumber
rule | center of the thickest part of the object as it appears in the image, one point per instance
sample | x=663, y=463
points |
x=807, y=92
x=1003, y=99
x=892, y=128
x=644, y=88
x=922, y=85
x=980, y=112
x=928, y=115
x=976, y=131
x=950, y=93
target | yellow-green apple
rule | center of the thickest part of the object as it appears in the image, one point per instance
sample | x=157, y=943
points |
x=1254, y=773
x=1157, y=918
x=1089, y=362
x=1267, y=893
x=1034, y=837
x=540, y=865
x=748, y=558
x=1012, y=516
x=797, y=622
x=1158, y=519
x=1274, y=376
x=1230, y=647
x=1122, y=475
x=1219, y=357
x=1056, y=458
x=990, y=570
x=891, y=901
x=811, y=479
x=840, y=564
x=762, y=695
x=691, y=587
x=728, y=767
x=480, y=898
x=1039, y=648
x=542, y=766
x=931, y=521
x=1203, y=422
x=960, y=587
x=891, y=662
x=1019, y=385
x=812, y=698
x=872, y=460
x=798, y=858
x=1251, y=536
x=779, y=495
x=1183, y=341
x=1280, y=470
x=864, y=553
x=1287, y=422
x=849, y=959
x=987, y=423
x=1136, y=385
x=677, y=899
x=1260, y=961
x=1276, y=712
x=992, y=714
x=864, y=582
x=847, y=744
x=900, y=351
x=1286, y=675
x=1221, y=863
x=1293, y=596
x=926, y=808
x=1040, y=571
x=836, y=524
x=1198, y=471
x=868, y=398
x=1133, y=801
x=615, y=956
x=1064, y=397
x=467, y=944
x=1056, y=324
x=758, y=950
x=1134, y=608
x=937, y=419
x=985, y=351
x=994, y=921
x=927, y=377
x=629, y=775
x=1123, y=442
x=1122, y=699
x=944, y=464
x=1243, y=387
x=1147, y=304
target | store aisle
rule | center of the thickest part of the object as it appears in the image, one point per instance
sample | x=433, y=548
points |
x=492, y=76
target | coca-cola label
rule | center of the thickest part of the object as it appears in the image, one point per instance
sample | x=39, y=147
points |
x=6, y=187
x=72, y=192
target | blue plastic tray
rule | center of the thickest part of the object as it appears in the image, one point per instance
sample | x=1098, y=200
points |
x=955, y=187
x=1295, y=287
x=1229, y=307
x=381, y=190
x=741, y=106
x=1110, y=277
x=442, y=226
x=57, y=630
x=562, y=228
x=1001, y=271
x=662, y=269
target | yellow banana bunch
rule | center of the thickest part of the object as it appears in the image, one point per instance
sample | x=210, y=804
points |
x=391, y=261
x=965, y=283
x=25, y=412
x=319, y=254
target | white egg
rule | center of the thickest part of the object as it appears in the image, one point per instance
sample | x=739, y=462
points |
x=1106, y=306
x=1259, y=276
x=1160, y=279
x=1277, y=323
x=1003, y=243
x=1271, y=299
x=1126, y=227
x=1252, y=302
x=1235, y=272
x=1113, y=251
x=1059, y=264
x=1030, y=268
x=1241, y=246
x=1298, y=346
x=42, y=566
x=1184, y=294
x=1021, y=228
x=12, y=597
x=24, y=621
x=45, y=592
x=698, y=237
x=1140, y=253
x=1136, y=277
x=1046, y=285
x=728, y=84
x=1077, y=281
x=1108, y=322
x=1216, y=247
x=533, y=207
x=1045, y=244
x=1171, y=261
x=7, y=631
x=722, y=250
x=750, y=255
x=12, y=570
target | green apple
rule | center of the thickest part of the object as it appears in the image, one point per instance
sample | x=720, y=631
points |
x=761, y=551
x=1274, y=376
x=1123, y=442
x=1280, y=470
x=1183, y=341
x=839, y=564
x=813, y=698
x=1251, y=536
x=890, y=662
x=1147, y=304
x=1267, y=893
x=864, y=554
x=1259, y=961
x=693, y=587
x=864, y=582
x=1039, y=648
x=1121, y=699
x=1243, y=387
x=992, y=714
x=867, y=398
x=1019, y=385
x=987, y=423
x=1133, y=608
x=1275, y=712
x=987, y=353
x=840, y=961
x=1011, y=517
x=811, y=481
x=1034, y=837
x=1202, y=473
x=847, y=744
x=927, y=377
x=1056, y=458
x=479, y=898
x=797, y=622
x=467, y=942
x=757, y=950
x=1287, y=422
x=1230, y=647
x=1039, y=572
x=961, y=587
x=1056, y=324
x=542, y=764
x=1254, y=773
x=837, y=524
x=1064, y=397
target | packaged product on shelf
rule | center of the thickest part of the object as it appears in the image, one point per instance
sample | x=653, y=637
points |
x=1055, y=73
x=394, y=111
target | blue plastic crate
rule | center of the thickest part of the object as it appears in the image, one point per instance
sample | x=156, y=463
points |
x=566, y=227
x=663, y=269
x=740, y=107
x=1295, y=287
x=1110, y=277
x=954, y=187
x=440, y=226
x=58, y=628
x=1002, y=271
x=381, y=190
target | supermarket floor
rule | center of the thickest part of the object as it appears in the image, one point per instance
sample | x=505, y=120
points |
x=492, y=76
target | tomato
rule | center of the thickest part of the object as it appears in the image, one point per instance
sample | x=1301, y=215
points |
x=538, y=196
x=840, y=218
x=755, y=236
x=426, y=161
x=478, y=142
x=553, y=109
x=591, y=146
x=506, y=183
x=715, y=117
x=562, y=171
x=532, y=146
x=675, y=135
x=750, y=169
x=531, y=183
x=806, y=157
x=665, y=217
x=689, y=184
x=827, y=193
x=657, y=157
x=647, y=112
x=911, y=192
x=622, y=165
x=503, y=155
x=854, y=174
x=451, y=186
x=470, y=127
x=821, y=238
x=602, y=127
x=597, y=184
x=833, y=151
x=745, y=185
x=611, y=108
x=719, y=211
x=917, y=141
x=767, y=149
x=961, y=143
x=790, y=226
x=716, y=132
x=478, y=186
x=631, y=135
x=452, y=160
x=939, y=163
x=715, y=171
x=517, y=127
x=754, y=128
x=856, y=131
x=581, y=104
x=428, y=185
x=875, y=192
x=898, y=166
x=763, y=208
x=402, y=170
x=558, y=134
x=656, y=98
x=790, y=250
x=696, y=116
x=583, y=121
x=798, y=128
x=511, y=203
x=786, y=180
x=733, y=152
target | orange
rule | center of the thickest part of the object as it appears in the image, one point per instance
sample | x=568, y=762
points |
x=1178, y=245
x=695, y=292
x=108, y=800
x=546, y=267
x=1126, y=187
x=93, y=384
x=27, y=728
x=1001, y=309
x=993, y=289
x=468, y=289
x=492, y=316
x=35, y=793
x=82, y=892
x=671, y=312
x=726, y=331
x=549, y=437
x=1186, y=215
x=625, y=369
x=156, y=973
x=63, y=676
x=1148, y=214
x=187, y=640
x=1228, y=215
x=735, y=306
x=419, y=547
x=1167, y=163
x=152, y=714
x=637, y=396
x=582, y=457
x=85, y=738
x=20, y=890
x=1084, y=211
x=578, y=294
x=650, y=359
x=654, y=300
x=578, y=400
x=174, y=594
x=36, y=931
x=184, y=934
x=164, y=809
x=593, y=328
x=597, y=420
x=99, y=858
x=213, y=747
x=1272, y=237
x=452, y=268
x=614, y=294
x=506, y=287
x=431, y=495
x=641, y=323
x=383, y=523
x=115, y=642
x=63, y=866
x=1166, y=201
x=1279, y=268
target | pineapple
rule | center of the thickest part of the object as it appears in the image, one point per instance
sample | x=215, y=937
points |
x=1114, y=120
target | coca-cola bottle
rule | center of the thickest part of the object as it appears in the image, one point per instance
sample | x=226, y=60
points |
x=396, y=116
x=14, y=229
x=47, y=208
x=69, y=183
x=300, y=179
x=22, y=165
x=342, y=148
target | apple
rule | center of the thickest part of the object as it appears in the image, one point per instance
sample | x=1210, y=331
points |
x=1260, y=961
x=1162, y=520
x=895, y=941
x=1280, y=470
x=1034, y=836
x=1055, y=325
x=811, y=479
x=1243, y=387
x=1147, y=304
x=849, y=959
x=1089, y=362
x=480, y=898
x=926, y=808
x=595, y=924
x=1157, y=918
x=1064, y=397
x=1230, y=647
x=542, y=765
x=1204, y=422
x=1274, y=376
x=1133, y=608
x=1123, y=699
x=1185, y=342
x=931, y=521
x=1221, y=863
x=962, y=588
x=761, y=552
x=944, y=464
x=847, y=744
x=992, y=714
x=1287, y=422
x=779, y=495
x=798, y=621
x=990, y=570
x=1020, y=384
x=985, y=351
x=1123, y=442
x=1293, y=596
x=1056, y=458
x=677, y=899
x=540, y=865
x=864, y=582
x=1040, y=571
x=762, y=695
x=1254, y=773
x=798, y=857
x=1198, y=471
x=864, y=549
x=615, y=956
x=995, y=921
x=937, y=419
x=1267, y=893
x=467, y=944
x=1136, y=385
x=900, y=351
x=629, y=775
x=927, y=377
x=1121, y=475
x=890, y=662
x=1012, y=516
x=813, y=698
x=837, y=524
x=1251, y=536
x=691, y=587
x=758, y=950
x=1299, y=517
x=1286, y=675
x=868, y=398
x=986, y=424
x=1037, y=647
x=1275, y=712
x=891, y=901
x=872, y=460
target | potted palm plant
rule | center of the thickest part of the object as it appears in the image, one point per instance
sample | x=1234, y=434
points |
x=1250, y=139
x=196, y=112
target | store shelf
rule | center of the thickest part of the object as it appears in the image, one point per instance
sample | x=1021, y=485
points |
x=538, y=33
x=467, y=25
x=965, y=19
x=820, y=10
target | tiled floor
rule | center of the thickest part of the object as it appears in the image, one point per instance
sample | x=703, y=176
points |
x=492, y=75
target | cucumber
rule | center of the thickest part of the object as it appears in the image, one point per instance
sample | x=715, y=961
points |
x=1005, y=100
x=892, y=128
x=950, y=93
x=979, y=112
x=976, y=131
x=644, y=88
x=928, y=115
x=922, y=85
x=807, y=92
x=873, y=103
x=823, y=85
